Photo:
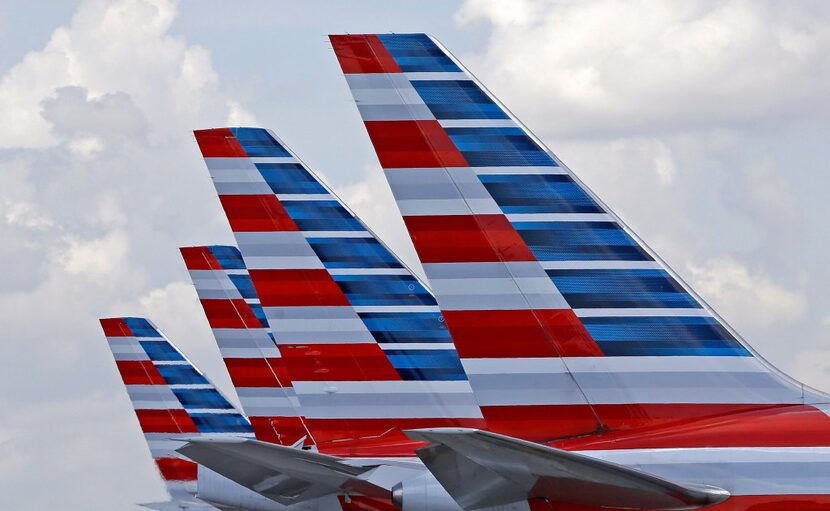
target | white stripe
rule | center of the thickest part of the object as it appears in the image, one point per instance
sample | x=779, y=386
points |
x=397, y=308
x=593, y=313
x=513, y=365
x=611, y=365
x=712, y=455
x=387, y=399
x=382, y=387
x=448, y=207
x=283, y=263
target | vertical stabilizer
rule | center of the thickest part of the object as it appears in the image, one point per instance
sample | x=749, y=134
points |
x=171, y=399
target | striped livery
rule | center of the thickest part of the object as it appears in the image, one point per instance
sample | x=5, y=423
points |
x=563, y=319
x=171, y=398
x=362, y=340
x=253, y=360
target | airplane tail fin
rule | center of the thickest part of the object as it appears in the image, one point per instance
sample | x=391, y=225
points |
x=171, y=399
x=362, y=338
x=563, y=318
x=254, y=361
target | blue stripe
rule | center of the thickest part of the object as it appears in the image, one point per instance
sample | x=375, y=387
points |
x=220, y=423
x=580, y=241
x=406, y=327
x=181, y=375
x=526, y=193
x=641, y=350
x=289, y=178
x=383, y=290
x=353, y=253
x=259, y=313
x=427, y=364
x=244, y=285
x=202, y=398
x=662, y=336
x=321, y=216
x=258, y=143
x=620, y=289
x=457, y=99
x=416, y=52
x=141, y=327
x=494, y=147
x=160, y=351
x=229, y=257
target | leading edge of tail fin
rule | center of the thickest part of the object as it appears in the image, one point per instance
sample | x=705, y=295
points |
x=363, y=340
x=556, y=308
x=171, y=399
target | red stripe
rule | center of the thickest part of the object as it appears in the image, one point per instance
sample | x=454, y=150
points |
x=338, y=362
x=519, y=334
x=199, y=258
x=258, y=372
x=219, y=143
x=115, y=327
x=256, y=213
x=230, y=314
x=297, y=288
x=782, y=426
x=466, y=238
x=413, y=144
x=568, y=333
x=376, y=437
x=540, y=422
x=815, y=502
x=139, y=372
x=279, y=430
x=546, y=422
x=176, y=469
x=165, y=421
x=363, y=54
x=639, y=415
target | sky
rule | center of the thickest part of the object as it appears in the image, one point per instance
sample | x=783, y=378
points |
x=703, y=123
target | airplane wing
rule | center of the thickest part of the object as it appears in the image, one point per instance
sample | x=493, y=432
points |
x=287, y=475
x=481, y=469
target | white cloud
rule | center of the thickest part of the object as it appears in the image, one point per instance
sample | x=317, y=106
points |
x=747, y=297
x=96, y=257
x=100, y=182
x=118, y=51
x=611, y=66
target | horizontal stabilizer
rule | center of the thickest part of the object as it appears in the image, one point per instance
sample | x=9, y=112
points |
x=481, y=469
x=283, y=474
